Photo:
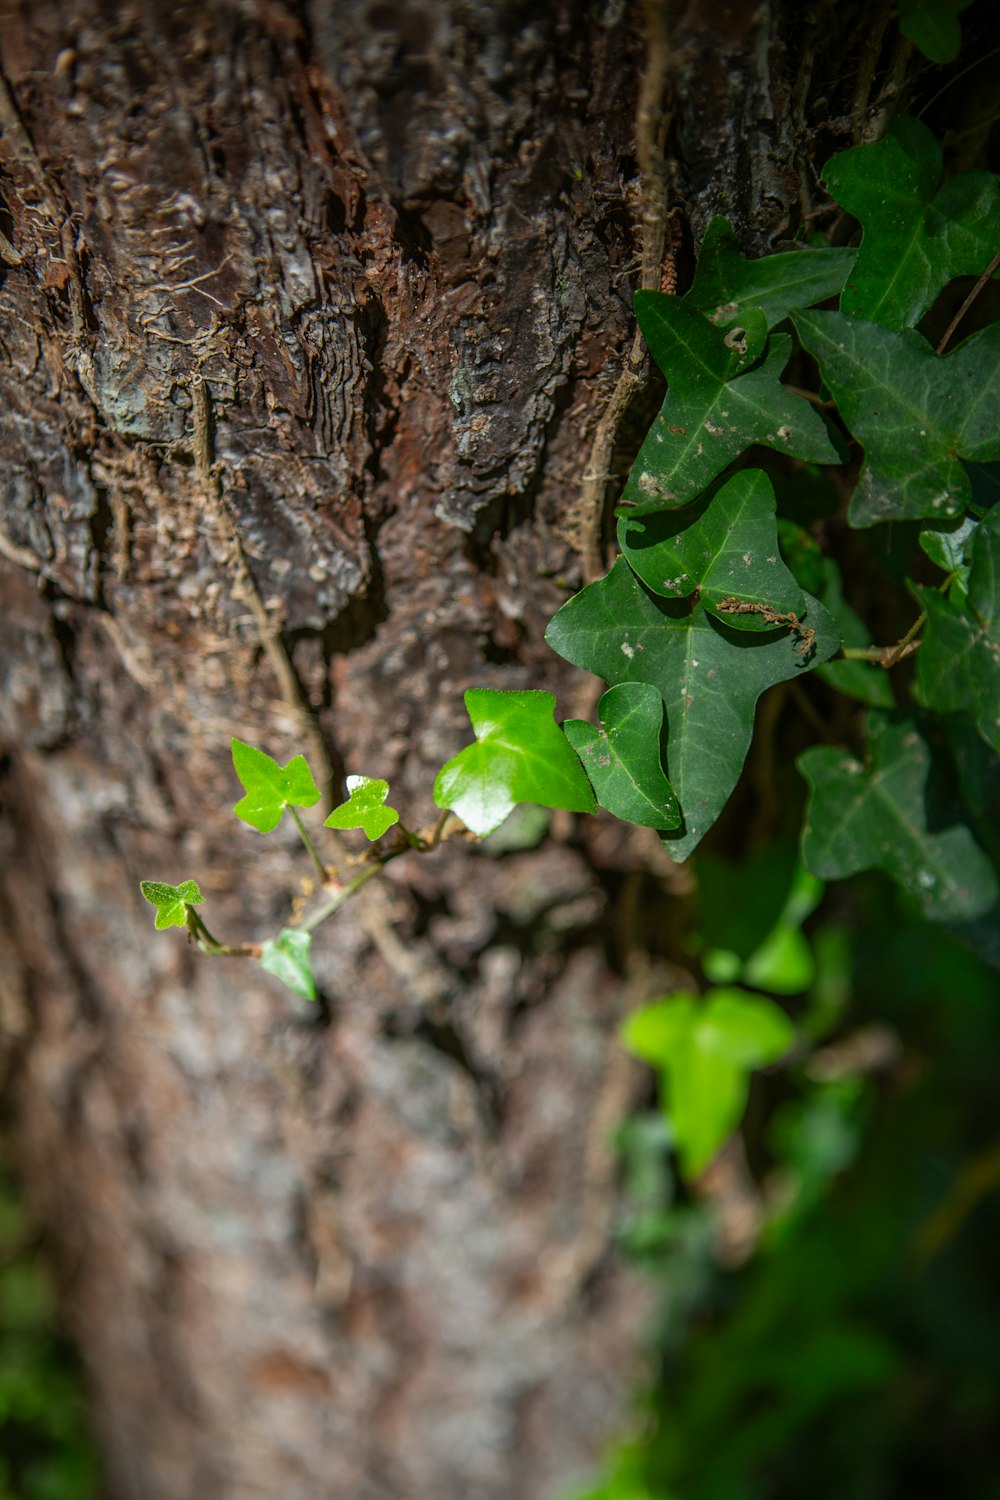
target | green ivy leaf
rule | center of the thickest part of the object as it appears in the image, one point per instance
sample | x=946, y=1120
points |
x=364, y=808
x=864, y=680
x=705, y=1051
x=520, y=755
x=862, y=817
x=269, y=787
x=171, y=901
x=933, y=26
x=708, y=675
x=958, y=665
x=726, y=286
x=713, y=411
x=624, y=772
x=915, y=412
x=917, y=235
x=724, y=548
x=950, y=550
x=287, y=958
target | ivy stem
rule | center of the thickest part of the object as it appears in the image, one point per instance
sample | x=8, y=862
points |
x=943, y=342
x=334, y=902
x=310, y=846
x=211, y=945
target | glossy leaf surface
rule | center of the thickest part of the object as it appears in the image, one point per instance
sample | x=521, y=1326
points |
x=958, y=665
x=727, y=286
x=916, y=413
x=365, y=808
x=881, y=815
x=171, y=901
x=716, y=405
x=618, y=758
x=520, y=755
x=705, y=1050
x=708, y=674
x=270, y=788
x=917, y=235
x=287, y=958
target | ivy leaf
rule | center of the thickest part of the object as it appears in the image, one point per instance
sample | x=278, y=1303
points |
x=364, y=808
x=520, y=755
x=883, y=815
x=958, y=666
x=916, y=413
x=933, y=26
x=705, y=1051
x=917, y=235
x=724, y=548
x=950, y=550
x=171, y=901
x=708, y=674
x=864, y=680
x=628, y=781
x=269, y=787
x=287, y=958
x=726, y=286
x=713, y=411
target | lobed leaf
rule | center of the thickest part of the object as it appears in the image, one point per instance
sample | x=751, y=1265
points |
x=916, y=413
x=881, y=815
x=705, y=1051
x=958, y=666
x=708, y=674
x=726, y=286
x=270, y=788
x=716, y=406
x=287, y=958
x=171, y=901
x=520, y=755
x=622, y=758
x=917, y=235
x=364, y=808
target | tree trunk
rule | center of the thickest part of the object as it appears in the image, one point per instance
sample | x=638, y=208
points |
x=309, y=316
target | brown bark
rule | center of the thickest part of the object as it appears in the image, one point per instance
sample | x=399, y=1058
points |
x=369, y=1258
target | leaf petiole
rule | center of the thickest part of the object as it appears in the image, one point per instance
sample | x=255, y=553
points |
x=210, y=945
x=310, y=846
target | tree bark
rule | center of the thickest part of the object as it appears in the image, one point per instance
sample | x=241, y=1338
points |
x=309, y=315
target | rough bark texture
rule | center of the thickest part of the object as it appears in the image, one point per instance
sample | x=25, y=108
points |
x=368, y=1258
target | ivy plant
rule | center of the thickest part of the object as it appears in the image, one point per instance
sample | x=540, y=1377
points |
x=715, y=598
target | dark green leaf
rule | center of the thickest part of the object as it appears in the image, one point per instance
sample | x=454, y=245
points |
x=917, y=235
x=520, y=755
x=933, y=26
x=171, y=901
x=622, y=757
x=864, y=680
x=724, y=549
x=713, y=411
x=958, y=666
x=862, y=817
x=287, y=958
x=708, y=675
x=915, y=412
x=365, y=808
x=726, y=286
x=705, y=1050
x=949, y=550
x=269, y=787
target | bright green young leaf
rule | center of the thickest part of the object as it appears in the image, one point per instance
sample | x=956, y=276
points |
x=726, y=286
x=775, y=956
x=958, y=665
x=287, y=958
x=171, y=901
x=269, y=787
x=724, y=548
x=916, y=413
x=365, y=808
x=708, y=675
x=520, y=755
x=705, y=1051
x=917, y=235
x=933, y=26
x=622, y=757
x=862, y=817
x=713, y=411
